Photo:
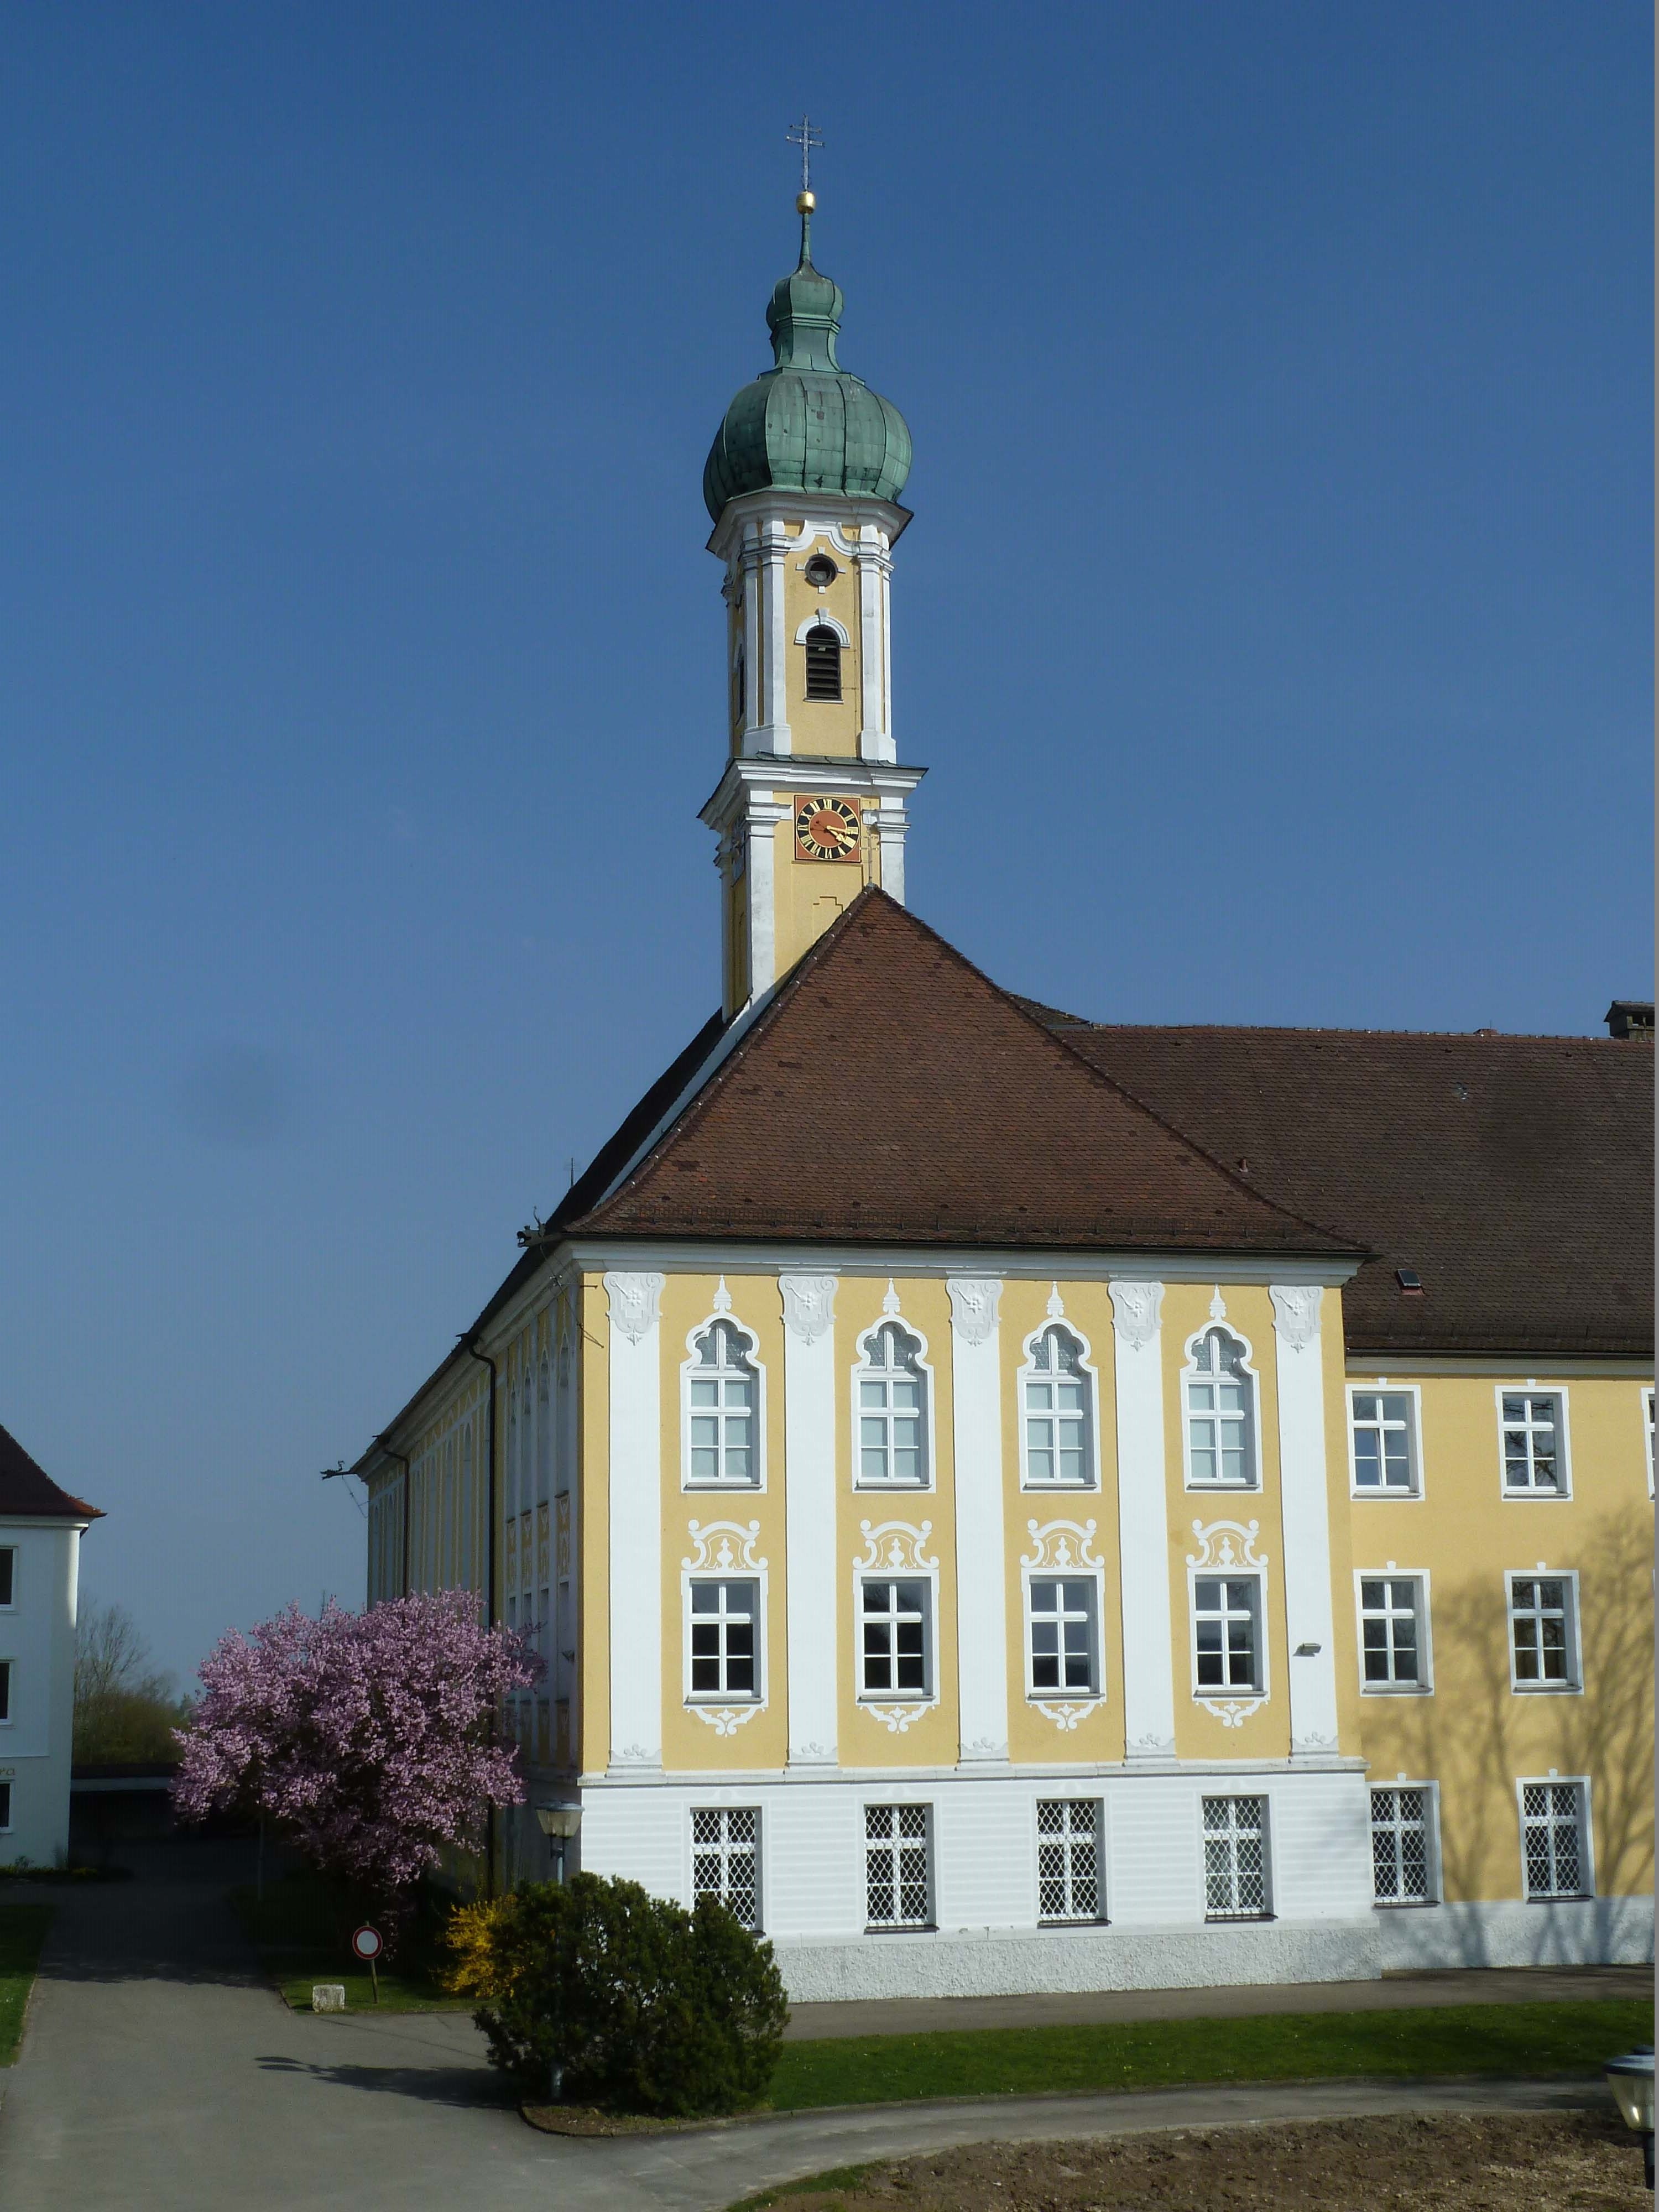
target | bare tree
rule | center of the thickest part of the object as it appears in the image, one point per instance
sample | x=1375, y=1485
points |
x=125, y=1709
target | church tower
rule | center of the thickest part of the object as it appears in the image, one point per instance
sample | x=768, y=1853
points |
x=803, y=482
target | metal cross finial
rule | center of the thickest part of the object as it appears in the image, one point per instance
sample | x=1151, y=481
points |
x=802, y=134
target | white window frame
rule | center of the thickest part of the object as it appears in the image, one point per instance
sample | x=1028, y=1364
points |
x=1095, y=1578
x=1568, y=1577
x=1192, y=1373
x=8, y=1692
x=1424, y=1688
x=1029, y=1373
x=691, y=1369
x=9, y=1604
x=1430, y=1795
x=863, y=1370
x=1264, y=1831
x=756, y=1579
x=1065, y=1839
x=726, y=1851
x=1203, y=1691
x=868, y=1843
x=1534, y=1388
x=928, y=1578
x=1384, y=1389
x=1647, y=1432
x=7, y=1792
x=1581, y=1783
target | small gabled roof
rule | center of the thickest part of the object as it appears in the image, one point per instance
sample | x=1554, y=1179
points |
x=891, y=1093
x=28, y=1492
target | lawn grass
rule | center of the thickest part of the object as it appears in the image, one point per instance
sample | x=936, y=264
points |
x=1519, y=2039
x=300, y=1930
x=22, y=1931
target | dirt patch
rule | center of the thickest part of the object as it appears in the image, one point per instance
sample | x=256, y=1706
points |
x=590, y=2120
x=1569, y=2162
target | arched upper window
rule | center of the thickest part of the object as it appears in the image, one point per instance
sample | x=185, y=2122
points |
x=892, y=1408
x=823, y=663
x=722, y=1407
x=1220, y=1413
x=1059, y=1426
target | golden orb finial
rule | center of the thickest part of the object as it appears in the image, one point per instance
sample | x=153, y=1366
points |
x=806, y=201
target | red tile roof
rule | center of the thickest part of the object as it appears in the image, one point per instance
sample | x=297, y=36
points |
x=28, y=1492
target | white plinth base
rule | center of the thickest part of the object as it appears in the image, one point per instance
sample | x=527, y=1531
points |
x=1593, y=1931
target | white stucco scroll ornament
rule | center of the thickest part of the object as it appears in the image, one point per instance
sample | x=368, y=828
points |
x=1295, y=1312
x=809, y=1304
x=723, y=1548
x=901, y=1545
x=1137, y=1309
x=633, y=1304
x=974, y=1302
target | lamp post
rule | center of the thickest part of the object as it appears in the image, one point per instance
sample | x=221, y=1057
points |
x=558, y=1823
x=1630, y=2079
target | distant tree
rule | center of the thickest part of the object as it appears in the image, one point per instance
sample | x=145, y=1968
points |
x=371, y=1741
x=127, y=1711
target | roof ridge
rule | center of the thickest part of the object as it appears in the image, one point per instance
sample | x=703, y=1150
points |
x=1313, y=1028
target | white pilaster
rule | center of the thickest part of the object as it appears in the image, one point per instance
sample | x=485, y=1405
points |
x=808, y=1507
x=981, y=1630
x=763, y=814
x=774, y=735
x=751, y=640
x=1306, y=1512
x=890, y=824
x=874, y=568
x=635, y=1520
x=1143, y=1522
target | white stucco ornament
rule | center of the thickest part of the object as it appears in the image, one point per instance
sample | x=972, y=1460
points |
x=808, y=1305
x=974, y=1302
x=1296, y=1313
x=1137, y=1309
x=634, y=1303
x=722, y=1547
x=897, y=1544
x=1061, y=1544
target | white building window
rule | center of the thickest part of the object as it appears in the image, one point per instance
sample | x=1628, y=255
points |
x=722, y=1405
x=893, y=1409
x=1069, y=1859
x=1555, y=1839
x=8, y=1575
x=1220, y=1394
x=1403, y=1855
x=895, y=1638
x=898, y=1873
x=1647, y=1432
x=1227, y=1645
x=1543, y=1632
x=5, y=1808
x=725, y=1859
x=1236, y=1858
x=1058, y=1435
x=5, y=1689
x=1064, y=1636
x=1383, y=1436
x=724, y=1626
x=1534, y=1427
x=1393, y=1636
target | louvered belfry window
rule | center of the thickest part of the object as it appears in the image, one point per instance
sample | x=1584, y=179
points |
x=823, y=663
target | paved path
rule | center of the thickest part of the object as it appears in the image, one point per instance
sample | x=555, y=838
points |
x=159, y=2072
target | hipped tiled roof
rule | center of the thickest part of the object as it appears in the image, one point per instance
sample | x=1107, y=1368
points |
x=28, y=1492
x=891, y=1093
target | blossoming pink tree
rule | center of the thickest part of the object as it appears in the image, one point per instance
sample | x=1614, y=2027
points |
x=370, y=1740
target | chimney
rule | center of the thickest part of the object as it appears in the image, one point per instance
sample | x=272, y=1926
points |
x=1630, y=1018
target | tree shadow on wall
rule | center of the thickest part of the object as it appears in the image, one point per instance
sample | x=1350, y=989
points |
x=1472, y=1733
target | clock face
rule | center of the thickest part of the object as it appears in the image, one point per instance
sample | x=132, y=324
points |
x=826, y=830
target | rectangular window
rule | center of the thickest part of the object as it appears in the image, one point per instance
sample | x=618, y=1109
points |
x=1394, y=1632
x=5, y=1689
x=897, y=1866
x=5, y=1806
x=1543, y=1634
x=1555, y=1839
x=1647, y=1431
x=1227, y=1634
x=1236, y=1858
x=8, y=1573
x=725, y=1859
x=1402, y=1846
x=895, y=1656
x=1534, y=1461
x=1064, y=1636
x=1384, y=1443
x=725, y=1620
x=1069, y=1859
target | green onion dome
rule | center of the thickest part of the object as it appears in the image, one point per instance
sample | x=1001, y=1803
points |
x=807, y=424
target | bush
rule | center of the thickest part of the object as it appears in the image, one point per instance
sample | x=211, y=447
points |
x=645, y=2007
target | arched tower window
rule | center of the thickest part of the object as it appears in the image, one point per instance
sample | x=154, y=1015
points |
x=1058, y=1446
x=823, y=663
x=1220, y=1413
x=892, y=1408
x=723, y=1395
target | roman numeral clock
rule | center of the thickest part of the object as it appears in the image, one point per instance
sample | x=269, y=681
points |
x=827, y=828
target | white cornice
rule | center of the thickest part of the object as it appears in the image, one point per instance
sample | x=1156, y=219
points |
x=753, y=773
x=1616, y=1366
x=717, y=1257
x=829, y=511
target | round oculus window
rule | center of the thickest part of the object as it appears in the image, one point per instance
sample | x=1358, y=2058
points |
x=821, y=572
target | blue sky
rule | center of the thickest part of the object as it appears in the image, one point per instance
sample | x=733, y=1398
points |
x=1273, y=622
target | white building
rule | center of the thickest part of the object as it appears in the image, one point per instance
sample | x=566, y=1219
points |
x=40, y=1531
